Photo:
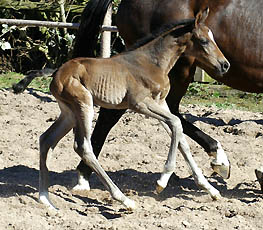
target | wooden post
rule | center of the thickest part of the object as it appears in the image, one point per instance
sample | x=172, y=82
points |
x=105, y=48
x=199, y=75
x=62, y=13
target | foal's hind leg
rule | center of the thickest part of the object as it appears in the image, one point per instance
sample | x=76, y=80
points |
x=48, y=140
x=106, y=120
x=82, y=146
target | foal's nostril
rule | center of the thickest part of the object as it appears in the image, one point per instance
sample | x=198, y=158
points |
x=225, y=66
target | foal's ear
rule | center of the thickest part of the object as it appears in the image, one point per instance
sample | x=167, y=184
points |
x=201, y=16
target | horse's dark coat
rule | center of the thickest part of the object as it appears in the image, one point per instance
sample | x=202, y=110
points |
x=238, y=31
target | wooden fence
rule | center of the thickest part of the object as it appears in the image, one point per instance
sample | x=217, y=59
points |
x=106, y=29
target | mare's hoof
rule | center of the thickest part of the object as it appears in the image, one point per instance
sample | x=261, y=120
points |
x=221, y=170
x=259, y=175
x=81, y=187
x=83, y=183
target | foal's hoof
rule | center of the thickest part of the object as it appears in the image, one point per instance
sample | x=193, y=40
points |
x=221, y=170
x=45, y=200
x=259, y=175
x=159, y=188
x=216, y=197
x=130, y=204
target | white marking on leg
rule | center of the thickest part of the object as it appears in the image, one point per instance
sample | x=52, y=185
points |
x=163, y=181
x=221, y=157
x=83, y=184
x=44, y=199
x=221, y=163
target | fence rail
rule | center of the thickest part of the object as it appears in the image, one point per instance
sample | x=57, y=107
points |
x=33, y=23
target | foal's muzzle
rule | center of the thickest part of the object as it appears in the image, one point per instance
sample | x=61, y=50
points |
x=224, y=67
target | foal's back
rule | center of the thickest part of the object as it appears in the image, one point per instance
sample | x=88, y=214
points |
x=99, y=77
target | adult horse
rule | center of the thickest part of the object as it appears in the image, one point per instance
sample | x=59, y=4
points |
x=134, y=20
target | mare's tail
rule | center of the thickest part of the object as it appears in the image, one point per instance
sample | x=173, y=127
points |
x=30, y=76
x=91, y=20
x=87, y=36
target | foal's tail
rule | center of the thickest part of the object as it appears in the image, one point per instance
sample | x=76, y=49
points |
x=91, y=20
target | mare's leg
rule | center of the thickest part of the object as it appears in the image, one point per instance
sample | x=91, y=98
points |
x=82, y=146
x=48, y=141
x=259, y=175
x=161, y=112
x=180, y=77
x=106, y=120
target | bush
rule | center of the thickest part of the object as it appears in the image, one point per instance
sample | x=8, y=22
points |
x=27, y=48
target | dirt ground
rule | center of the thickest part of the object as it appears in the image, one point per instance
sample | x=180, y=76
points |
x=133, y=156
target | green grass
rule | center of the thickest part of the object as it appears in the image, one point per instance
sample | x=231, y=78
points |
x=39, y=83
x=203, y=94
x=223, y=97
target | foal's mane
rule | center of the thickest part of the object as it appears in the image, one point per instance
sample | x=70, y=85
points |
x=185, y=26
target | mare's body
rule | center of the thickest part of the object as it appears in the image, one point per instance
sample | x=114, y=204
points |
x=238, y=30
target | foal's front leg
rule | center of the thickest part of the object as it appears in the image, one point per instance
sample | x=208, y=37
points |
x=180, y=80
x=161, y=112
x=172, y=124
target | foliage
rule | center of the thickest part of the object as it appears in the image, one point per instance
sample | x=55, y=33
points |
x=115, y=4
x=23, y=49
x=27, y=48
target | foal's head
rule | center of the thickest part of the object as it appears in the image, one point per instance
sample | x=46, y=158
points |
x=202, y=46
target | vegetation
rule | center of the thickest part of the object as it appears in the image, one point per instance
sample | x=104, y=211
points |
x=28, y=48
x=223, y=97
x=23, y=49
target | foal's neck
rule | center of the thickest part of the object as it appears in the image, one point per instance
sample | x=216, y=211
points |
x=164, y=52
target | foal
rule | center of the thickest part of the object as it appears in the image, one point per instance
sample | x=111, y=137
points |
x=136, y=79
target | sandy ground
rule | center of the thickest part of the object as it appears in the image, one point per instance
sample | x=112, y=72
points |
x=133, y=156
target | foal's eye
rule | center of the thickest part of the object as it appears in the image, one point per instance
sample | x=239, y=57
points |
x=204, y=42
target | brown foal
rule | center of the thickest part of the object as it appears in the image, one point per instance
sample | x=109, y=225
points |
x=137, y=80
